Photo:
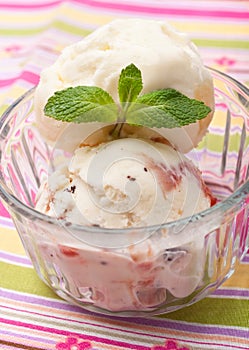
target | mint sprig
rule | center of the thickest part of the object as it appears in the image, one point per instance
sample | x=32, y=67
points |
x=82, y=104
x=164, y=108
x=166, y=105
x=130, y=84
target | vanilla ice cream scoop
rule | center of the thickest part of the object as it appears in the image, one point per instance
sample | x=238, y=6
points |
x=110, y=184
x=125, y=182
x=166, y=59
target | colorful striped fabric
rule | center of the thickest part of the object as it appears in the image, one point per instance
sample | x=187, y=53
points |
x=32, y=33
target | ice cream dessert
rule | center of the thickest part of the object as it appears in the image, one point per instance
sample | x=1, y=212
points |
x=166, y=58
x=118, y=179
x=145, y=182
x=125, y=182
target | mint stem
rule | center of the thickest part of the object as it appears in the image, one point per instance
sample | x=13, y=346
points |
x=116, y=131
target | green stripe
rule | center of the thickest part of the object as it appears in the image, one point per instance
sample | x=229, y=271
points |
x=3, y=109
x=218, y=311
x=23, y=279
x=215, y=143
x=236, y=44
x=70, y=28
x=21, y=31
x=73, y=325
x=206, y=311
x=56, y=24
x=239, y=44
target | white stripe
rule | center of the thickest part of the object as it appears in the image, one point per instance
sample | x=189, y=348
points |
x=6, y=222
x=120, y=334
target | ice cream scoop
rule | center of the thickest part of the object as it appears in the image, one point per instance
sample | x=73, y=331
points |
x=124, y=182
x=116, y=184
x=166, y=58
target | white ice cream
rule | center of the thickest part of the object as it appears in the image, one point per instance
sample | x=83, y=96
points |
x=166, y=58
x=126, y=182
x=135, y=181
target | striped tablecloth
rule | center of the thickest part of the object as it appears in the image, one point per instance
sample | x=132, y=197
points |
x=32, y=33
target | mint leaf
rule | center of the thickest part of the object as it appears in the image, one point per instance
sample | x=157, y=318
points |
x=130, y=84
x=166, y=108
x=82, y=104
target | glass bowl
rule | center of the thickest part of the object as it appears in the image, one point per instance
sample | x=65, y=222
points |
x=110, y=270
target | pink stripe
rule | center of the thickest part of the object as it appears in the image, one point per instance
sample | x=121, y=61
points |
x=30, y=6
x=102, y=340
x=25, y=75
x=3, y=210
x=91, y=323
x=27, y=336
x=79, y=335
x=166, y=11
x=225, y=332
x=137, y=8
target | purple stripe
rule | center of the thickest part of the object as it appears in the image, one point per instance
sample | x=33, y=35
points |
x=103, y=325
x=232, y=292
x=16, y=258
x=25, y=336
x=215, y=154
x=81, y=335
x=246, y=259
x=187, y=327
x=39, y=300
x=151, y=322
x=220, y=130
x=6, y=222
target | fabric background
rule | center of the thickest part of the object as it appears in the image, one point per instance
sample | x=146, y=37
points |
x=32, y=34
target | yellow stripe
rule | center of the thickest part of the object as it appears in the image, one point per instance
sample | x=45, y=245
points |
x=94, y=19
x=13, y=91
x=220, y=29
x=240, y=278
x=73, y=14
x=220, y=118
x=10, y=241
x=85, y=17
x=100, y=18
x=16, y=19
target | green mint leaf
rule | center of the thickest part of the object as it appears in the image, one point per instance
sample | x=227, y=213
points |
x=82, y=104
x=130, y=84
x=166, y=108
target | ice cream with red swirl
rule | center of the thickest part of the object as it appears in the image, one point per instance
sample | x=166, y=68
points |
x=110, y=191
x=125, y=183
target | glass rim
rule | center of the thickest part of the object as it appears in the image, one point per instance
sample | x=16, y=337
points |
x=237, y=197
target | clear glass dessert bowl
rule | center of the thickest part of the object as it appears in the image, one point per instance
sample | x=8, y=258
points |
x=113, y=270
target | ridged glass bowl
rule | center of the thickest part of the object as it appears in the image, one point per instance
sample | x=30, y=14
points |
x=191, y=258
